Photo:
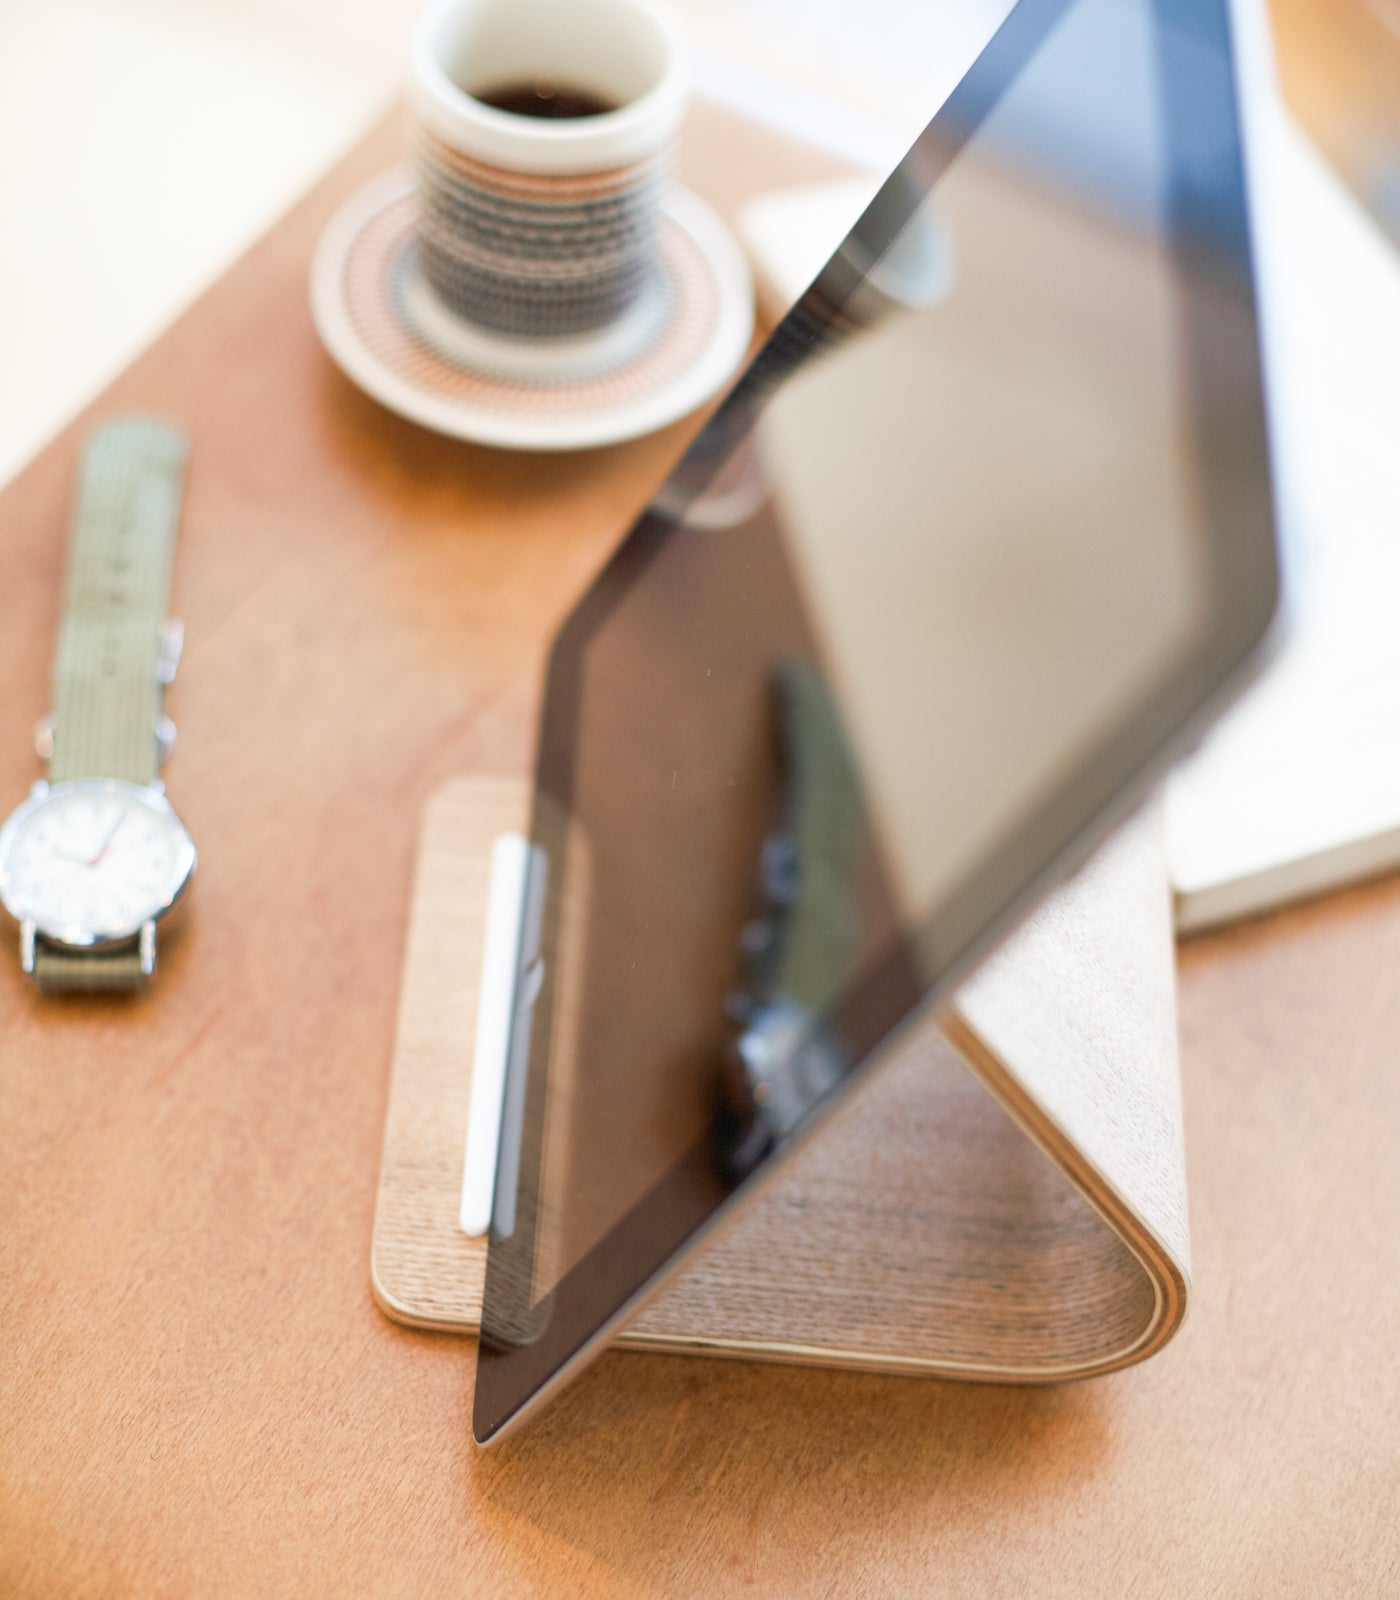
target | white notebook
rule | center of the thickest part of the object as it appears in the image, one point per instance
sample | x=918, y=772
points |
x=1298, y=789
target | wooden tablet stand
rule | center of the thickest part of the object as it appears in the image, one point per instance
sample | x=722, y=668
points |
x=1021, y=1221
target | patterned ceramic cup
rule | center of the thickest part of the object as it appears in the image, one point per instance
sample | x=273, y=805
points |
x=543, y=226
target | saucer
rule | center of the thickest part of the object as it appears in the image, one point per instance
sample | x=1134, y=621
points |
x=386, y=329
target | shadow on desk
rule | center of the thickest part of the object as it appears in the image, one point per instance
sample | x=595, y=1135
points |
x=877, y=1454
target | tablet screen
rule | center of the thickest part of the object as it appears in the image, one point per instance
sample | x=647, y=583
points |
x=986, y=521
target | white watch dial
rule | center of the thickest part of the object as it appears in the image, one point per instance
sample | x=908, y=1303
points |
x=91, y=860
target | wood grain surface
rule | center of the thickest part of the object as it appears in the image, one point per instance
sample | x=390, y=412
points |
x=921, y=1229
x=198, y=1396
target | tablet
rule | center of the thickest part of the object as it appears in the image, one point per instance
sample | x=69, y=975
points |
x=984, y=531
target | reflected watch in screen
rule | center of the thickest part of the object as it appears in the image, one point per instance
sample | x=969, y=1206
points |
x=984, y=528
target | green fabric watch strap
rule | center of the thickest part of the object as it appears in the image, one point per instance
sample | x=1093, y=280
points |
x=88, y=971
x=107, y=671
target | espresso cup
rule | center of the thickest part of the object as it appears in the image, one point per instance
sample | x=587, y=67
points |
x=543, y=135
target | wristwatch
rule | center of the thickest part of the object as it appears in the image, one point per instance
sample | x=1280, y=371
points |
x=95, y=857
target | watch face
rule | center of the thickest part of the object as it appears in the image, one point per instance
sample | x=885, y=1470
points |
x=89, y=860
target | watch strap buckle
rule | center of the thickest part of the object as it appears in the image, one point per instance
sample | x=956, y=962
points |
x=172, y=645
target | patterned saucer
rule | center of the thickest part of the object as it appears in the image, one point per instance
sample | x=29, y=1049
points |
x=386, y=329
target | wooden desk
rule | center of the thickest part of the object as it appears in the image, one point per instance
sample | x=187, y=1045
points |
x=197, y=1395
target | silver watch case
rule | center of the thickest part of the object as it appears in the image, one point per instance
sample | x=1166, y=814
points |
x=71, y=936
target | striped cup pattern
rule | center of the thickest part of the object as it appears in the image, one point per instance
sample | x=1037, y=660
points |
x=535, y=255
